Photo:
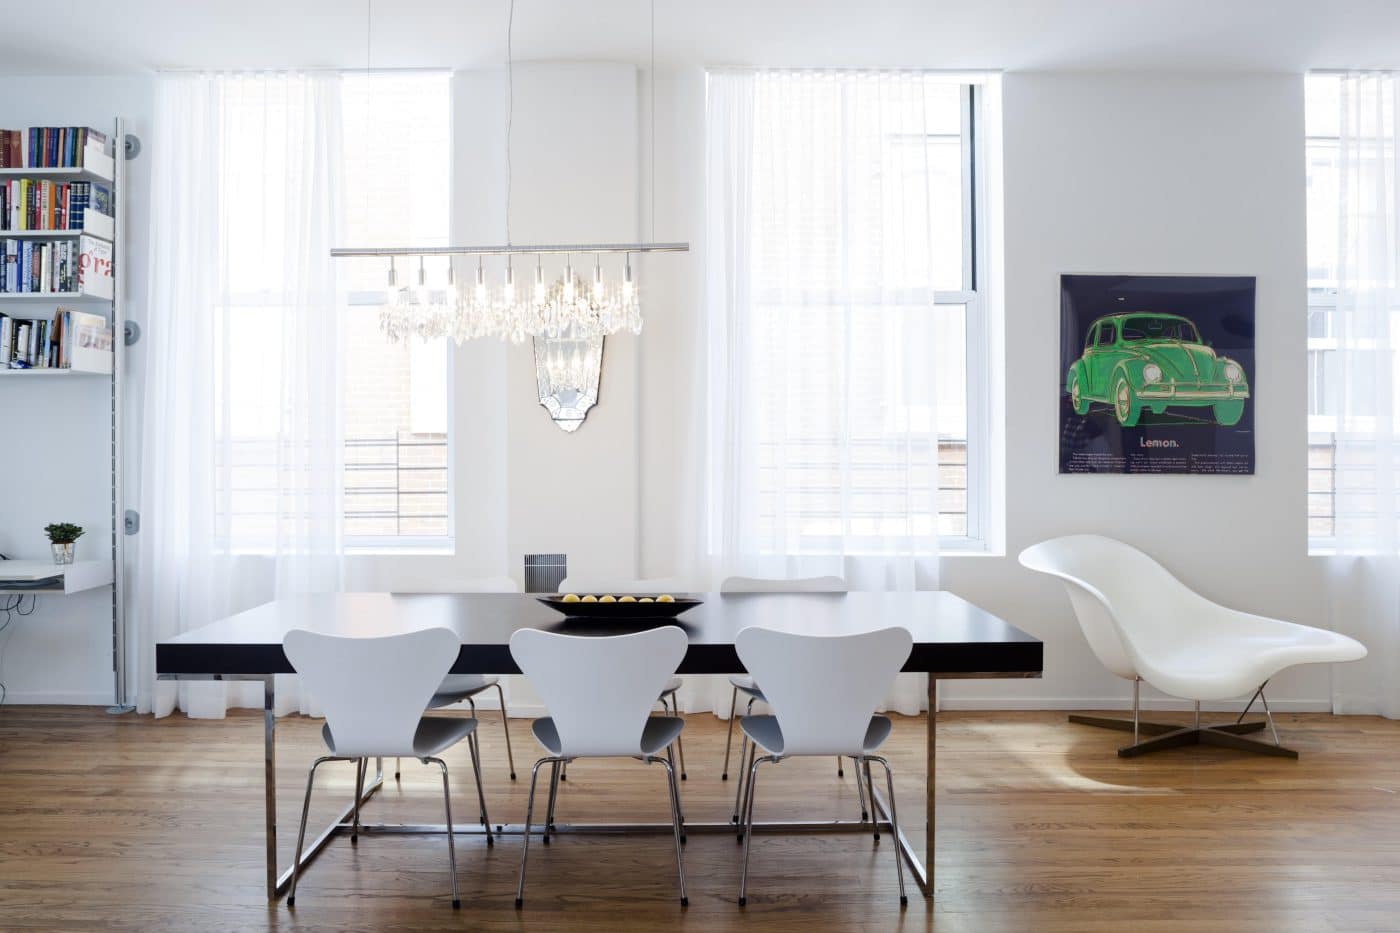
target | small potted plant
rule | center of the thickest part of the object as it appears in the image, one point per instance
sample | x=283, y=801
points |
x=61, y=538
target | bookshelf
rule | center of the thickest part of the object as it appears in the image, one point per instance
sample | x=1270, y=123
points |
x=92, y=370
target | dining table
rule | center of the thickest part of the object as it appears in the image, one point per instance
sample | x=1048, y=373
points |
x=952, y=639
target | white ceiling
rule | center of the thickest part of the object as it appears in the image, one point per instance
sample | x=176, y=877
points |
x=114, y=36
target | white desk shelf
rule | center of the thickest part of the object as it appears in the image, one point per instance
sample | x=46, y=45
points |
x=50, y=579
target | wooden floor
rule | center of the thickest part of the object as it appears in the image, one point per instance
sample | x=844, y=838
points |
x=129, y=823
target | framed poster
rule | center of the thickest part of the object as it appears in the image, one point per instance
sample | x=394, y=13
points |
x=1156, y=374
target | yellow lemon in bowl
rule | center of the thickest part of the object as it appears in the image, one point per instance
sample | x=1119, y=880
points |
x=570, y=598
x=589, y=599
x=665, y=598
x=607, y=599
x=627, y=599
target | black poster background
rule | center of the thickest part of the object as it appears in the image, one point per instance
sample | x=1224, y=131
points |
x=1222, y=308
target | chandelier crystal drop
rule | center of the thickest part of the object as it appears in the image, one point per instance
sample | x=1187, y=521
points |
x=596, y=307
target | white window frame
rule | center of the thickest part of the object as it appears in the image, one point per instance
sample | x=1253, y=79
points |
x=1324, y=301
x=973, y=296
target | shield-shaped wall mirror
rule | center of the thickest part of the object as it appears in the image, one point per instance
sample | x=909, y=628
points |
x=569, y=370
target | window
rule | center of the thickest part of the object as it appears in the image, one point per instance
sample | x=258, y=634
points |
x=393, y=188
x=398, y=146
x=865, y=362
x=1106, y=334
x=1323, y=128
x=1353, y=311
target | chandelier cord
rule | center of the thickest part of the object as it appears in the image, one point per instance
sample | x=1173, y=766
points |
x=653, y=119
x=510, y=104
x=369, y=88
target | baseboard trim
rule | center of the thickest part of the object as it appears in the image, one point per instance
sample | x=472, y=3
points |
x=950, y=704
x=1285, y=705
x=57, y=698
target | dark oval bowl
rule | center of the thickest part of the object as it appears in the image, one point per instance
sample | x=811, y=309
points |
x=620, y=612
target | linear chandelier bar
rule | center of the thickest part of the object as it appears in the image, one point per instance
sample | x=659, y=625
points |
x=346, y=252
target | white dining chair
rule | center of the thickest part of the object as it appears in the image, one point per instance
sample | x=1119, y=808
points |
x=599, y=692
x=387, y=720
x=823, y=690
x=747, y=684
x=1144, y=624
x=658, y=585
x=458, y=688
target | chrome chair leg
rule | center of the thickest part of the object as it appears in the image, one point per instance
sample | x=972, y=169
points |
x=839, y=771
x=745, y=755
x=475, y=748
x=674, y=788
x=673, y=708
x=743, y=744
x=451, y=848
x=301, y=833
x=894, y=825
x=747, y=837
x=505, y=727
x=1269, y=714
x=397, y=764
x=480, y=791
x=360, y=767
x=729, y=734
x=864, y=765
x=553, y=794
x=680, y=741
x=860, y=790
x=671, y=760
x=564, y=771
x=529, y=815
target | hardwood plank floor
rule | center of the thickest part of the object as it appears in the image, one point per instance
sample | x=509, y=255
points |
x=127, y=823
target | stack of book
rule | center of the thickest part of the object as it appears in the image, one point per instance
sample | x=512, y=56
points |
x=70, y=340
x=37, y=204
x=65, y=266
x=55, y=147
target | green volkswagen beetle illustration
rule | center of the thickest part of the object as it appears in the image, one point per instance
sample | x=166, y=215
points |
x=1138, y=360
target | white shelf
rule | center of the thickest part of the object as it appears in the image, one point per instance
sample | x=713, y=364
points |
x=61, y=173
x=71, y=578
x=52, y=371
x=50, y=235
x=53, y=296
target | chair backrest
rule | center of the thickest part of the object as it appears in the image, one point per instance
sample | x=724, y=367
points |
x=599, y=690
x=824, y=688
x=600, y=585
x=793, y=585
x=1127, y=603
x=373, y=690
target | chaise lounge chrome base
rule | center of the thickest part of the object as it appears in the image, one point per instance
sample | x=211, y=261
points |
x=1171, y=735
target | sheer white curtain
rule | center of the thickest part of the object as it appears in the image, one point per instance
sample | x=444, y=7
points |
x=1364, y=580
x=822, y=436
x=241, y=431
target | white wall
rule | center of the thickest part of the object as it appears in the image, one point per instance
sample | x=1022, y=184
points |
x=1103, y=173
x=1152, y=173
x=55, y=467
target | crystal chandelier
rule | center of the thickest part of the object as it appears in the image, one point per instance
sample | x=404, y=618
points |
x=596, y=306
x=569, y=304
